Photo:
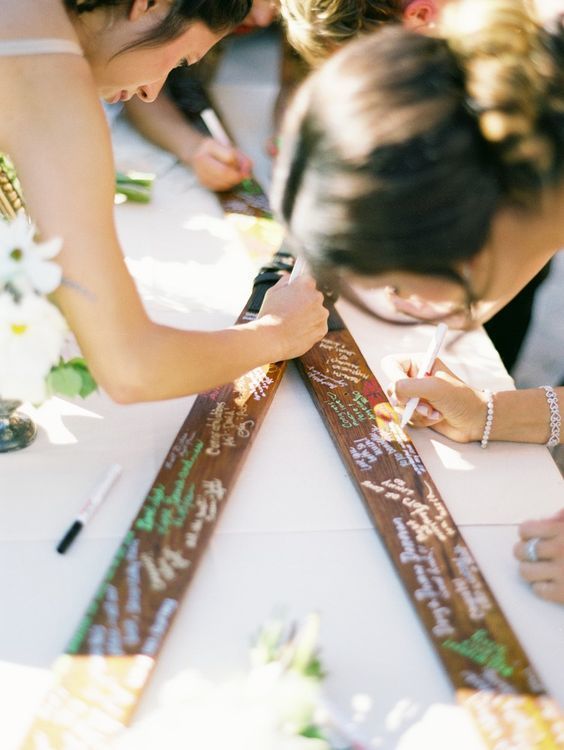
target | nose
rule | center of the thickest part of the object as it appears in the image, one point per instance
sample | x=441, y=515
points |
x=150, y=91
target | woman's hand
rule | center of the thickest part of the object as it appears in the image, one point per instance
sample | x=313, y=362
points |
x=219, y=167
x=546, y=575
x=296, y=314
x=447, y=404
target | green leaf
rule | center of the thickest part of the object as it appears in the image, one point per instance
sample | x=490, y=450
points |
x=64, y=380
x=71, y=378
x=77, y=363
x=313, y=733
x=136, y=193
x=89, y=385
x=135, y=186
x=315, y=669
x=136, y=178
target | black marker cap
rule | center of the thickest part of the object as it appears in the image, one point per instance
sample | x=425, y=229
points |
x=68, y=538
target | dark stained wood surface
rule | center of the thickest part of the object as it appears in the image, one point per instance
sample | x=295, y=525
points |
x=113, y=651
x=491, y=673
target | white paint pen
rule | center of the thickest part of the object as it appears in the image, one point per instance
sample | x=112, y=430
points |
x=425, y=369
x=217, y=131
x=298, y=269
x=95, y=499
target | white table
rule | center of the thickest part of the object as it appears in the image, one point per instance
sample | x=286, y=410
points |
x=283, y=543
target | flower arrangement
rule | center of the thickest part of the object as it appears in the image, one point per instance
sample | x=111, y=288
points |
x=32, y=329
x=277, y=705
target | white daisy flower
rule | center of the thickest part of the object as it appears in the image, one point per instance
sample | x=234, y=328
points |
x=24, y=263
x=31, y=336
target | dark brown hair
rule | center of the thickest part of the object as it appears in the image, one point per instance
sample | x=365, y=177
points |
x=217, y=15
x=399, y=151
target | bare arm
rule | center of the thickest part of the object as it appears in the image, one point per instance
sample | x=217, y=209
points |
x=521, y=416
x=217, y=167
x=61, y=148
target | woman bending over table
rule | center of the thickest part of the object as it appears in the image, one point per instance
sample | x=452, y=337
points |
x=436, y=177
x=318, y=28
x=216, y=165
x=55, y=65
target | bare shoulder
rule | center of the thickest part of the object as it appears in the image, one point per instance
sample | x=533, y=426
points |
x=35, y=18
x=40, y=89
x=32, y=83
x=55, y=132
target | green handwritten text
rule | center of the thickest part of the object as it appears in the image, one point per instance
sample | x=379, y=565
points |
x=161, y=510
x=480, y=648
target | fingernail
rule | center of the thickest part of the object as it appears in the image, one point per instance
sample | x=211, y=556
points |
x=435, y=415
x=424, y=410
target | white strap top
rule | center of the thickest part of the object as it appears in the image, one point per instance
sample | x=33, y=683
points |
x=15, y=47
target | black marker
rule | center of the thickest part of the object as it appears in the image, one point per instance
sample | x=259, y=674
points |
x=97, y=496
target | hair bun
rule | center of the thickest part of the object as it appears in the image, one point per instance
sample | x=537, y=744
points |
x=508, y=69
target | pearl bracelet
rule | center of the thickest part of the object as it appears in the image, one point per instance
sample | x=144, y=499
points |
x=555, y=419
x=489, y=419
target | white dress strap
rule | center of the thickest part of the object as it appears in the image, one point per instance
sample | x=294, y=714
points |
x=15, y=47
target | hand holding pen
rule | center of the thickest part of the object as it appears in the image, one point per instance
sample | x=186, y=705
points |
x=425, y=369
x=451, y=406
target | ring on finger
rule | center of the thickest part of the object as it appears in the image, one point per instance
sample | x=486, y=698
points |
x=531, y=546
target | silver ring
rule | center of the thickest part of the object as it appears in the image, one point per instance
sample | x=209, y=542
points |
x=531, y=549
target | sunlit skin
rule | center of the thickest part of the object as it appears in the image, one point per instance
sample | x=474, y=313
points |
x=422, y=15
x=417, y=296
x=140, y=71
x=518, y=247
x=519, y=244
x=217, y=166
x=547, y=575
x=56, y=121
x=263, y=14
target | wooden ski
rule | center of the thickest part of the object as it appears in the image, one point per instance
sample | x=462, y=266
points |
x=485, y=662
x=112, y=654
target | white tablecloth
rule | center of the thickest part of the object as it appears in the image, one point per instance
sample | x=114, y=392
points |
x=285, y=542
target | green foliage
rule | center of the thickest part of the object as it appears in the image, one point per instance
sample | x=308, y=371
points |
x=71, y=379
x=314, y=669
x=135, y=186
x=312, y=732
x=250, y=186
